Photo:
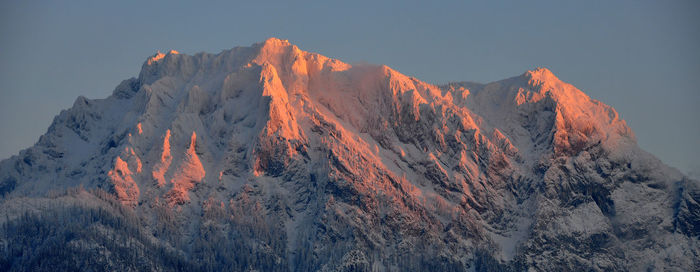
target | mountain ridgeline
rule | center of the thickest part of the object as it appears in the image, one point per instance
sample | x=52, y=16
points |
x=271, y=158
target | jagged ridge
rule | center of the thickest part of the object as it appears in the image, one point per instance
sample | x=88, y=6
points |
x=335, y=166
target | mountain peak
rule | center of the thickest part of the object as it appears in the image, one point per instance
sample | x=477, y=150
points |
x=341, y=167
x=272, y=41
x=273, y=45
x=156, y=57
x=540, y=75
x=543, y=81
x=159, y=56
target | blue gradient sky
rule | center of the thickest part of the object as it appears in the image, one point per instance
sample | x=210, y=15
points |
x=641, y=57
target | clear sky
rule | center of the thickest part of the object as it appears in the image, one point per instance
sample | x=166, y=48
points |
x=641, y=57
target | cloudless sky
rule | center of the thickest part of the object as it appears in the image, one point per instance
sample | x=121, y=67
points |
x=641, y=57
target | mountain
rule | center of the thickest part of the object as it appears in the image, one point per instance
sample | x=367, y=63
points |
x=272, y=158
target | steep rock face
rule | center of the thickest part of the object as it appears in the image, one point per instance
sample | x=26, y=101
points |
x=124, y=186
x=274, y=158
x=188, y=174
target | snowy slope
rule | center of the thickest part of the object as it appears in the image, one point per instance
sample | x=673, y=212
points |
x=309, y=163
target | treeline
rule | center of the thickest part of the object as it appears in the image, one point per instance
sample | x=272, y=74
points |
x=102, y=235
x=76, y=238
x=242, y=234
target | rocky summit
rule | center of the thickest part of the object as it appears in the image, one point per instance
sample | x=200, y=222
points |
x=270, y=158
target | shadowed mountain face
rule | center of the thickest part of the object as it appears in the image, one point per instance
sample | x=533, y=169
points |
x=272, y=158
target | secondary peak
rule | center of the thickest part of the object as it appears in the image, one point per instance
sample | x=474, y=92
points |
x=159, y=56
x=275, y=42
x=540, y=74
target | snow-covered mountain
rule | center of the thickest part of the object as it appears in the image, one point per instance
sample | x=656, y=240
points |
x=272, y=158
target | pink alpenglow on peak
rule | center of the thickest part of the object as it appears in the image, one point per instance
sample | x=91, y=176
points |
x=541, y=74
x=340, y=165
x=276, y=41
x=159, y=56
